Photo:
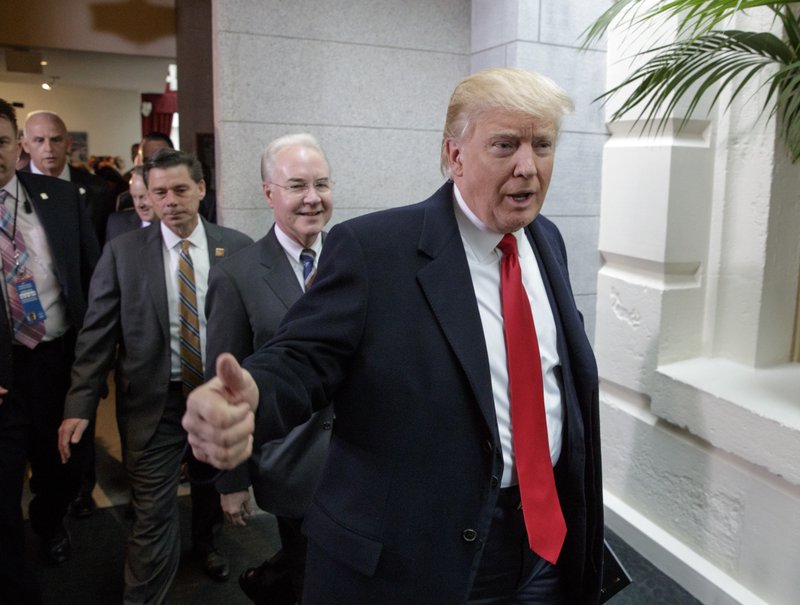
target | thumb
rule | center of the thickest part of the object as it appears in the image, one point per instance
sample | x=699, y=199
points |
x=230, y=373
x=78, y=433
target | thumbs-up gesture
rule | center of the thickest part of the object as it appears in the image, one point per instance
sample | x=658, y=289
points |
x=219, y=415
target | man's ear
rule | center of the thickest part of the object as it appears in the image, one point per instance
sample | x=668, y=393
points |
x=453, y=153
x=267, y=189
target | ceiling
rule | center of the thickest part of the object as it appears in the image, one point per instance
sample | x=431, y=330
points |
x=94, y=70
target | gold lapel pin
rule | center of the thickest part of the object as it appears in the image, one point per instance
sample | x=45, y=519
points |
x=219, y=252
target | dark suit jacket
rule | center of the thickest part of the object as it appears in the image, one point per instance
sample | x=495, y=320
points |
x=97, y=198
x=73, y=246
x=122, y=222
x=128, y=306
x=391, y=334
x=248, y=295
x=100, y=200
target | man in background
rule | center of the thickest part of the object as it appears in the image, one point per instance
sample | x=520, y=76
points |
x=151, y=143
x=46, y=140
x=48, y=254
x=142, y=214
x=144, y=299
x=248, y=295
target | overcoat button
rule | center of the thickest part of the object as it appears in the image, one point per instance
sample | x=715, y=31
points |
x=469, y=535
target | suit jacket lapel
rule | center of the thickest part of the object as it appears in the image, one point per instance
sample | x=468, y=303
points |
x=277, y=272
x=153, y=259
x=447, y=285
x=42, y=205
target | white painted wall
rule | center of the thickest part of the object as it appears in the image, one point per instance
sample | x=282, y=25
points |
x=372, y=79
x=695, y=309
x=111, y=118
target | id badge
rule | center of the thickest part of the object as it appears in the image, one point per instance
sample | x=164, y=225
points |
x=29, y=297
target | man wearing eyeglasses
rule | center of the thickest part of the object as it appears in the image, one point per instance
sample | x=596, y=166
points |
x=248, y=295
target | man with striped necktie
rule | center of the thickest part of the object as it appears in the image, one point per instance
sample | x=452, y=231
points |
x=248, y=295
x=146, y=297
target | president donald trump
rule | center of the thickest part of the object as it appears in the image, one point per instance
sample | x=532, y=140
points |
x=464, y=464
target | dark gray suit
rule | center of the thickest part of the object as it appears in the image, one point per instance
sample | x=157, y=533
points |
x=128, y=307
x=122, y=222
x=248, y=295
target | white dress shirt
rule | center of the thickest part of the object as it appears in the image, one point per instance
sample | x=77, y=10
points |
x=483, y=257
x=40, y=260
x=198, y=250
x=293, y=250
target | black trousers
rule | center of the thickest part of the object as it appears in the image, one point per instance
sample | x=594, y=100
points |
x=294, y=545
x=29, y=419
x=510, y=573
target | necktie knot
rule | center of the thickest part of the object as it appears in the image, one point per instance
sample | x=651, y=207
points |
x=307, y=257
x=508, y=245
x=185, y=246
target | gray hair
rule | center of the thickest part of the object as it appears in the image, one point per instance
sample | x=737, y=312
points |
x=302, y=139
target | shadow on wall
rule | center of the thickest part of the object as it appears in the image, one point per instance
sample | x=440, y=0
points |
x=134, y=20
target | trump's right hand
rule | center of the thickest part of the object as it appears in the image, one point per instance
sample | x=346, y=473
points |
x=219, y=415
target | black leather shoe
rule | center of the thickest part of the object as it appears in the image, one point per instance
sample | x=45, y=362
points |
x=57, y=548
x=270, y=583
x=215, y=565
x=83, y=506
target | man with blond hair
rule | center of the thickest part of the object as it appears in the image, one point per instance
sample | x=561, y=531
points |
x=464, y=464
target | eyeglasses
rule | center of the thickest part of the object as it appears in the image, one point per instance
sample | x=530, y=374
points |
x=301, y=187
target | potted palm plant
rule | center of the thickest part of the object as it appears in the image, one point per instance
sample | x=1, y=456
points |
x=705, y=57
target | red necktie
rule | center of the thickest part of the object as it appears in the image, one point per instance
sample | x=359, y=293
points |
x=543, y=518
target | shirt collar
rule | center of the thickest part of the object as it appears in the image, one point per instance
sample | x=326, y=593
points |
x=13, y=188
x=293, y=249
x=64, y=176
x=481, y=240
x=171, y=239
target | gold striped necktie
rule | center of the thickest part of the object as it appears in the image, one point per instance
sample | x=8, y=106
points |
x=191, y=357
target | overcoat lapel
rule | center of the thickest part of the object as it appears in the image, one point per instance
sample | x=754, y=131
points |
x=447, y=285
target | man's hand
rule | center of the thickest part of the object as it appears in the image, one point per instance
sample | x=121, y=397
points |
x=237, y=507
x=219, y=415
x=2, y=392
x=70, y=431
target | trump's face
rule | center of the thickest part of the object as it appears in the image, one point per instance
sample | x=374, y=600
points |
x=502, y=166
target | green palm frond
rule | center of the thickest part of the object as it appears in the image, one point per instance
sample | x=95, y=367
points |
x=703, y=61
x=694, y=16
